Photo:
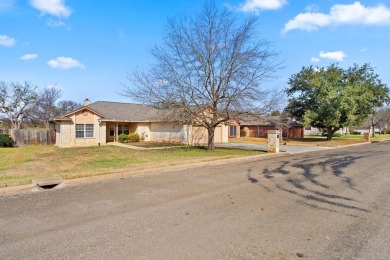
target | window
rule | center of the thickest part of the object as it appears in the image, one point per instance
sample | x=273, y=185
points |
x=233, y=130
x=112, y=130
x=123, y=129
x=84, y=130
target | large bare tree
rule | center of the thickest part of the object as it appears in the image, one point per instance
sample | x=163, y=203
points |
x=209, y=66
x=46, y=105
x=17, y=101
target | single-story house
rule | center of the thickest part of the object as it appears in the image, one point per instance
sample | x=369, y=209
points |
x=310, y=130
x=259, y=126
x=102, y=122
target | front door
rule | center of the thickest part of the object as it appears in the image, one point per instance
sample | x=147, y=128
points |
x=110, y=134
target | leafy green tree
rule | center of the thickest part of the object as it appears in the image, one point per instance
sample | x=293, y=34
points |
x=332, y=98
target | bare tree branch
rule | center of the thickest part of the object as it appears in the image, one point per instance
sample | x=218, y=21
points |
x=210, y=66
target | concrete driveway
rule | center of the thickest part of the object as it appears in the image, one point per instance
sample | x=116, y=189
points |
x=263, y=147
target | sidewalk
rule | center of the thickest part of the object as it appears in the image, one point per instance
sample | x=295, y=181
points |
x=263, y=147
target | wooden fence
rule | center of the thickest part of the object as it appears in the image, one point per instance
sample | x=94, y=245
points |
x=23, y=137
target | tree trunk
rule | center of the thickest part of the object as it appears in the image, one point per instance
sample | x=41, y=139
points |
x=210, y=144
x=329, y=134
x=373, y=130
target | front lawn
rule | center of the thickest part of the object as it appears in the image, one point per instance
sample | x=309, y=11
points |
x=21, y=165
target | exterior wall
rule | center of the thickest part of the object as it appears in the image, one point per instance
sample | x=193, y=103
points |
x=316, y=131
x=294, y=132
x=143, y=129
x=312, y=131
x=225, y=133
x=257, y=131
x=66, y=131
x=199, y=135
x=261, y=131
x=158, y=132
x=167, y=132
x=218, y=134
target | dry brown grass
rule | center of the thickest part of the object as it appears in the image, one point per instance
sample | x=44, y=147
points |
x=21, y=165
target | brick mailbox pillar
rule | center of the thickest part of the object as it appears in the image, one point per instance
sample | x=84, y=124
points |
x=367, y=137
x=273, y=141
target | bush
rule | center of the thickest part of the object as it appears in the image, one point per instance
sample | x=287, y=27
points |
x=388, y=131
x=355, y=133
x=123, y=138
x=242, y=133
x=133, y=137
x=6, y=141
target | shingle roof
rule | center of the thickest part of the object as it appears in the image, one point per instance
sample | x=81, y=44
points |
x=267, y=120
x=128, y=112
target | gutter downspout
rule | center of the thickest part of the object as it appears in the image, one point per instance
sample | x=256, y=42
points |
x=99, y=132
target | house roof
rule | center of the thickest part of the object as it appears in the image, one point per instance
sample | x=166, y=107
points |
x=128, y=112
x=265, y=121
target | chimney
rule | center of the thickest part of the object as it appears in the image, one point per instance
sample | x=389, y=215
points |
x=86, y=102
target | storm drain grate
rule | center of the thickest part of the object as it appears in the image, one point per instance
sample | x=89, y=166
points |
x=48, y=183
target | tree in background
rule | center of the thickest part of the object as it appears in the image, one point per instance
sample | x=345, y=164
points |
x=332, y=98
x=210, y=67
x=66, y=106
x=46, y=106
x=17, y=101
x=379, y=118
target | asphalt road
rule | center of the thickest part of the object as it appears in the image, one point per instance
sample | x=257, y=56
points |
x=331, y=204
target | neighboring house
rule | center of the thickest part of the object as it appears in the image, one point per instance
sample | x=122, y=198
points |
x=258, y=127
x=310, y=130
x=102, y=122
x=364, y=130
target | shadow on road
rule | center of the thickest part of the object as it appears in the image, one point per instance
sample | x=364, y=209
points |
x=316, y=180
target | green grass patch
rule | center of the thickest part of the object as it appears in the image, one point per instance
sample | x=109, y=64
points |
x=21, y=165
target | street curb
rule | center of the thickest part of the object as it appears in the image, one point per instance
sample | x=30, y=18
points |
x=30, y=188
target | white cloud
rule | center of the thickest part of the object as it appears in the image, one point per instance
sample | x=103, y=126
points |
x=258, y=5
x=312, y=8
x=355, y=13
x=6, y=4
x=364, y=49
x=6, y=41
x=65, y=63
x=336, y=55
x=54, y=23
x=315, y=60
x=29, y=56
x=52, y=7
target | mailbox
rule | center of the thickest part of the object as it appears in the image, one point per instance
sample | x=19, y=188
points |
x=273, y=141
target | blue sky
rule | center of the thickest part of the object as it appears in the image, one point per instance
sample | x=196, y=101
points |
x=87, y=47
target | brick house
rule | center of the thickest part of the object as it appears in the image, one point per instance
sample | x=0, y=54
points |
x=259, y=126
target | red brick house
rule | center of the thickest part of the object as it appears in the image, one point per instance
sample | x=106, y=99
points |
x=258, y=127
